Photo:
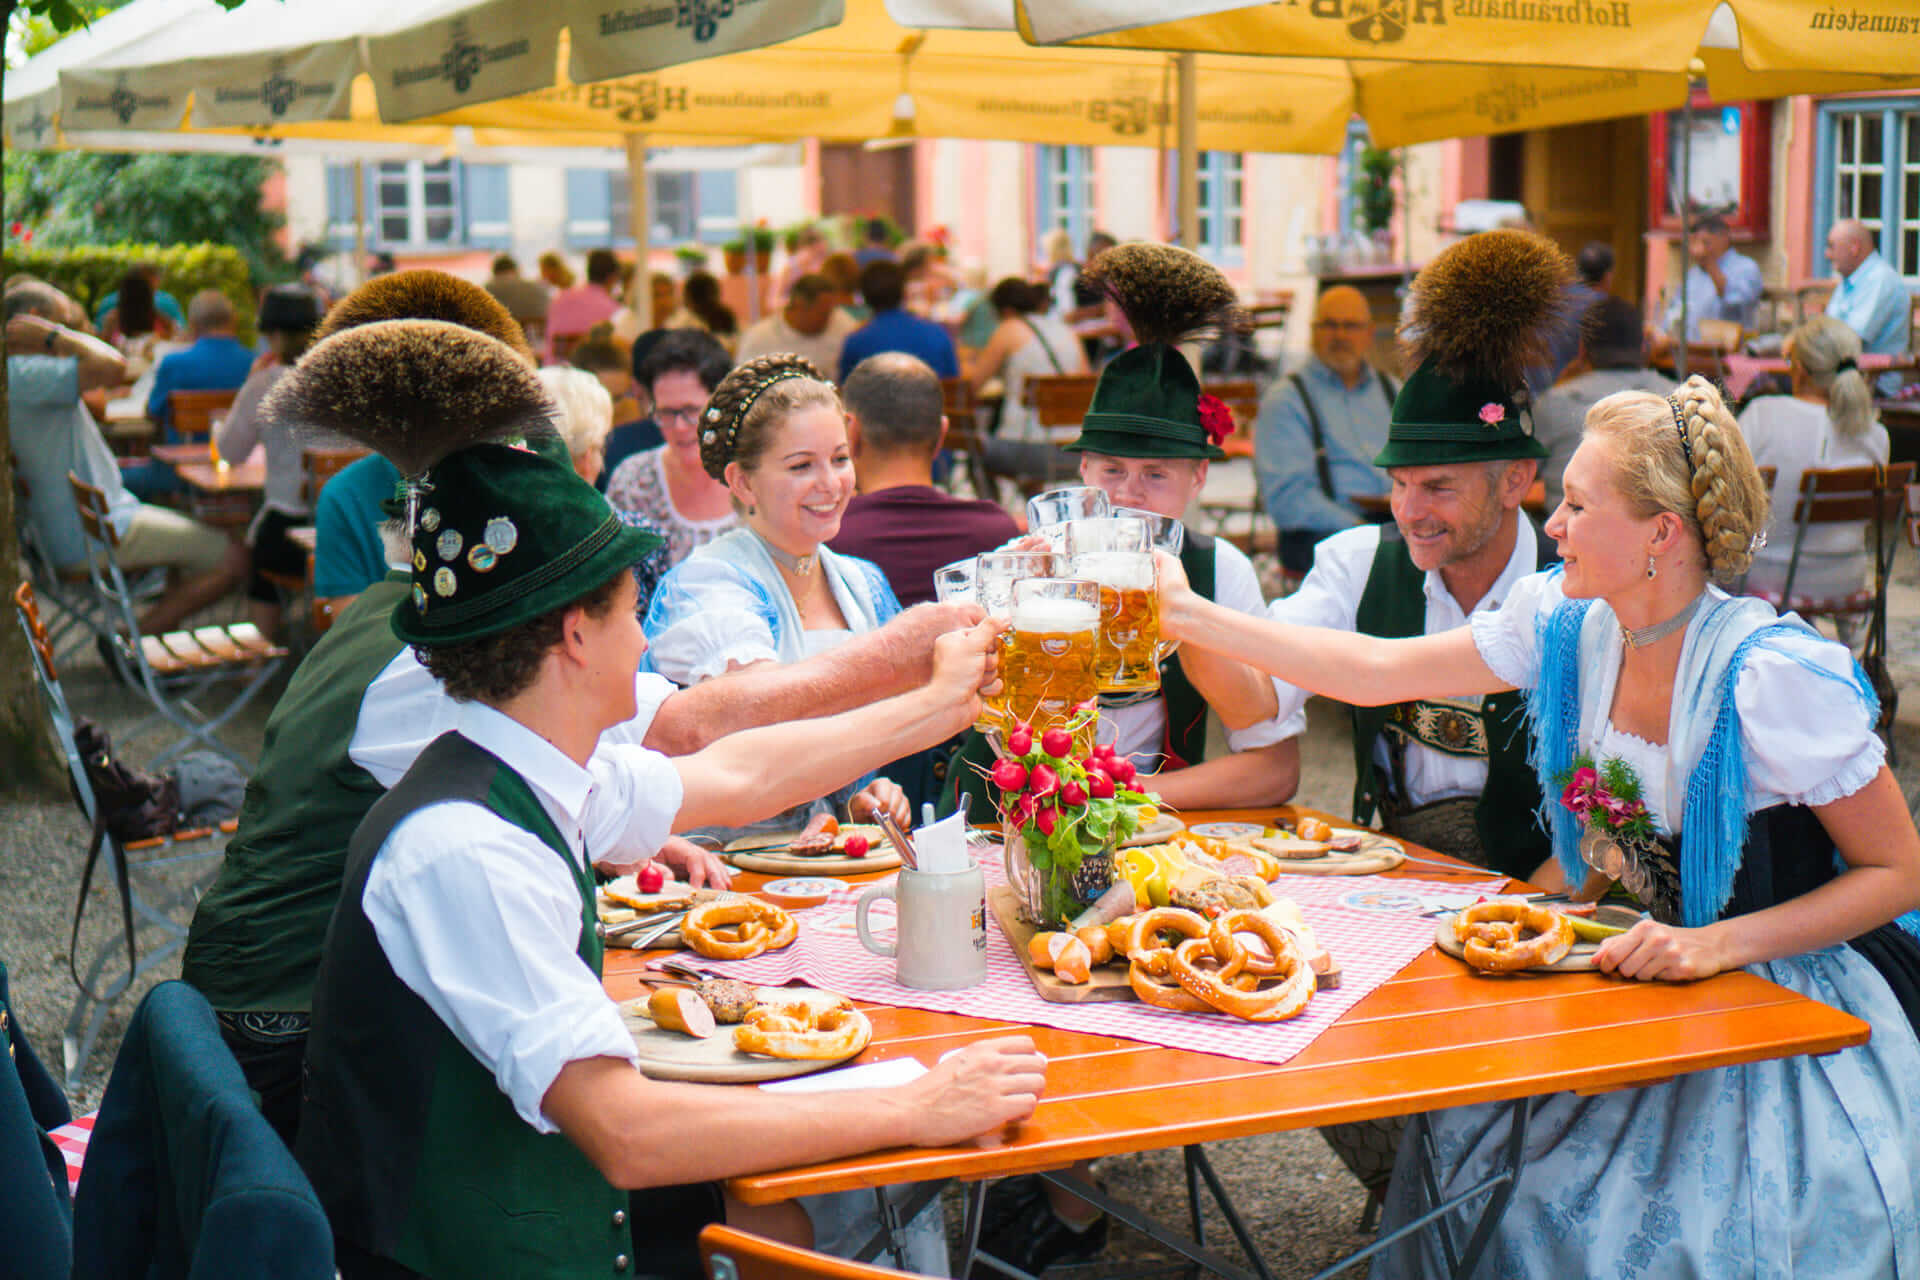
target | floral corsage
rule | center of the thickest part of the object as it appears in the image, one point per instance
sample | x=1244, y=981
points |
x=1618, y=837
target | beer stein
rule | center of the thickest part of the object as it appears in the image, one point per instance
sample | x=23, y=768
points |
x=1117, y=553
x=1048, y=664
x=1049, y=513
x=994, y=574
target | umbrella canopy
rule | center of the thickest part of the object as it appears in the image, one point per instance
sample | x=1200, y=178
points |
x=1651, y=35
x=301, y=71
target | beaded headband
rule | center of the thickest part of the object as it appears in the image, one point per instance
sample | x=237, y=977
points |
x=739, y=415
x=1680, y=425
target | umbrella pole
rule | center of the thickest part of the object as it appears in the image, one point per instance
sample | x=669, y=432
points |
x=1686, y=227
x=1189, y=152
x=359, y=224
x=639, y=210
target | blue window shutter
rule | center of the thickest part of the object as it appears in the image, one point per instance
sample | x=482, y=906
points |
x=716, y=204
x=489, y=208
x=589, y=208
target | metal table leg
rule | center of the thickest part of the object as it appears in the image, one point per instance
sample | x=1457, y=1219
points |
x=893, y=1218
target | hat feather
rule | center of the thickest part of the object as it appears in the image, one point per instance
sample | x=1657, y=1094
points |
x=1167, y=294
x=412, y=390
x=426, y=295
x=1490, y=307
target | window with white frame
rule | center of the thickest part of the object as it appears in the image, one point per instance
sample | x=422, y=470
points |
x=684, y=207
x=1222, y=200
x=1065, y=194
x=1869, y=168
x=416, y=204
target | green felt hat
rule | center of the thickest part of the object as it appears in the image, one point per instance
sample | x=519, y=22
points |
x=1148, y=403
x=1480, y=317
x=1437, y=420
x=502, y=535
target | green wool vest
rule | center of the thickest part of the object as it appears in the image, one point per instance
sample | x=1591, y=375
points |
x=1186, y=741
x=1394, y=605
x=255, y=940
x=414, y=1151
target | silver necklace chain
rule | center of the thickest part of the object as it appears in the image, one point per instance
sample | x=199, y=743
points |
x=1661, y=630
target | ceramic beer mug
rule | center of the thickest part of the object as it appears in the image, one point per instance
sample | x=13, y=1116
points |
x=941, y=941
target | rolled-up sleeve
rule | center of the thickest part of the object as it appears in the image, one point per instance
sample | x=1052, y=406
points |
x=1508, y=637
x=482, y=922
x=636, y=795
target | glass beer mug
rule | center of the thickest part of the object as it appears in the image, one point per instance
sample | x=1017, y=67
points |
x=1117, y=553
x=994, y=575
x=1049, y=513
x=1048, y=665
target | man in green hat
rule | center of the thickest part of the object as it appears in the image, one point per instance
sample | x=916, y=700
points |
x=470, y=1089
x=1447, y=773
x=360, y=709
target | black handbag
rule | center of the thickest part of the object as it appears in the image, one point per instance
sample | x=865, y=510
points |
x=128, y=805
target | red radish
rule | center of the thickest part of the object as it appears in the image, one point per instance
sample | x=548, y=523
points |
x=1072, y=794
x=678, y=1009
x=1122, y=770
x=651, y=878
x=1044, y=781
x=1056, y=742
x=1020, y=741
x=1047, y=819
x=857, y=845
x=1009, y=775
x=1102, y=751
x=1099, y=785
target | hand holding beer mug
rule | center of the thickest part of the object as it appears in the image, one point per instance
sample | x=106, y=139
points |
x=1048, y=665
x=1049, y=513
x=992, y=578
x=1118, y=554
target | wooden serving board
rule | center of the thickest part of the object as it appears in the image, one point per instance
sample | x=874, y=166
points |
x=1109, y=981
x=668, y=1055
x=1578, y=960
x=778, y=862
x=1376, y=853
x=1156, y=832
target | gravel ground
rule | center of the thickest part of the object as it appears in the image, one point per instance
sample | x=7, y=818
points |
x=1295, y=1195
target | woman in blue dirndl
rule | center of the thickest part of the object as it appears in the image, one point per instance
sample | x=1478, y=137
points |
x=1784, y=848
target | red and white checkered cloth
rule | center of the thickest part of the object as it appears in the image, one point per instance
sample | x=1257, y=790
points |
x=1370, y=924
x=72, y=1139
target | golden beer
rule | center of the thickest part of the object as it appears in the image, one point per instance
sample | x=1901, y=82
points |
x=1048, y=664
x=1127, y=655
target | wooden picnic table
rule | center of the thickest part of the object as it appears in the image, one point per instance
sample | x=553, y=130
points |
x=1436, y=1035
x=204, y=478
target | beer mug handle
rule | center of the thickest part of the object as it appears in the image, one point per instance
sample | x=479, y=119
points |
x=867, y=900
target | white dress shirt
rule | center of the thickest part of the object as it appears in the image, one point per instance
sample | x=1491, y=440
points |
x=1330, y=597
x=482, y=920
x=405, y=709
x=1141, y=730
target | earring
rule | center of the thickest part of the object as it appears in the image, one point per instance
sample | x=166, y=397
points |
x=1652, y=567
x=754, y=511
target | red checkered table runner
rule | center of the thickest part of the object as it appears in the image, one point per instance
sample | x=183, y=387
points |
x=1371, y=924
x=72, y=1140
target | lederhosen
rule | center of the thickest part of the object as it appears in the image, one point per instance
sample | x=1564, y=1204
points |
x=1500, y=831
x=1186, y=740
x=422, y=1163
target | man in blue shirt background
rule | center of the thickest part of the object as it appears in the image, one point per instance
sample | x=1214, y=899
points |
x=215, y=362
x=1319, y=429
x=1721, y=284
x=883, y=285
x=1871, y=298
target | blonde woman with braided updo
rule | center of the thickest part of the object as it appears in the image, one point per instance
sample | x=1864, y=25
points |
x=1784, y=847
x=1827, y=422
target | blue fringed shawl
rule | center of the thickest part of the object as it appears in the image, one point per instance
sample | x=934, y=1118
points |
x=1576, y=637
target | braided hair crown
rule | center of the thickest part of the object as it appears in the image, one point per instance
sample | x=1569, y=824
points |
x=733, y=425
x=1729, y=500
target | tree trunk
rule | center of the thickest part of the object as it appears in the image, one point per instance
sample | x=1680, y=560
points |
x=27, y=761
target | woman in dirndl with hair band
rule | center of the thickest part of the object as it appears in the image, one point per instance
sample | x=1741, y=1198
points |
x=1783, y=847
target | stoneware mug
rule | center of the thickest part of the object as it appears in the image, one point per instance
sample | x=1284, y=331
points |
x=941, y=941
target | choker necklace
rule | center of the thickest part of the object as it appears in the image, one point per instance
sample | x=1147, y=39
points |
x=799, y=566
x=1660, y=630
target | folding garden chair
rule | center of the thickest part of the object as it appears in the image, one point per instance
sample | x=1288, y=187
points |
x=175, y=668
x=165, y=862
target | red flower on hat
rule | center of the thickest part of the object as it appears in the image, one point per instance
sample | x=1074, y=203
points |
x=1215, y=417
x=1492, y=413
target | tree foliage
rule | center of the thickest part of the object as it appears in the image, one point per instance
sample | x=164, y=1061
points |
x=79, y=198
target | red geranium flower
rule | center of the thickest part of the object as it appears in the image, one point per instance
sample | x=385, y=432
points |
x=1215, y=417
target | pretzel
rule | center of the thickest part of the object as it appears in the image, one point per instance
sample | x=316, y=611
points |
x=1213, y=969
x=737, y=928
x=1504, y=937
x=803, y=1031
x=1163, y=927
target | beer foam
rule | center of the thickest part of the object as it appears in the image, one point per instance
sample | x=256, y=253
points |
x=1126, y=570
x=1045, y=615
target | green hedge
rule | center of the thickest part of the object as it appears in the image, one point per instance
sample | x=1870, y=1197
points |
x=90, y=272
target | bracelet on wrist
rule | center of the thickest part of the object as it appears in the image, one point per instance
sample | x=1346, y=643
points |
x=52, y=334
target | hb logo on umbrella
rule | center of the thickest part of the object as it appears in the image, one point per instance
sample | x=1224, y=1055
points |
x=704, y=16
x=1377, y=21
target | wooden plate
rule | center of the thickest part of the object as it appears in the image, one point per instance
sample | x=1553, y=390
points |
x=617, y=913
x=1578, y=960
x=769, y=855
x=1376, y=853
x=1155, y=832
x=668, y=1055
